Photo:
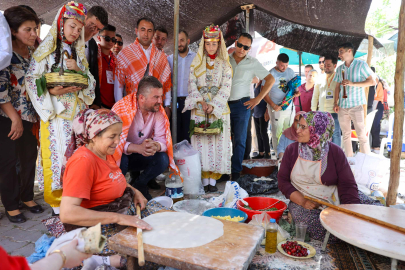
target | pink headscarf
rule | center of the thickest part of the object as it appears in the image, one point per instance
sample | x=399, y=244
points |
x=291, y=132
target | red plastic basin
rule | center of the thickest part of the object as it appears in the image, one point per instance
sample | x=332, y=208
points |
x=261, y=203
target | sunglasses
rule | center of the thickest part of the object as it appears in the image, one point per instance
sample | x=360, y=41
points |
x=321, y=62
x=108, y=39
x=240, y=45
x=120, y=43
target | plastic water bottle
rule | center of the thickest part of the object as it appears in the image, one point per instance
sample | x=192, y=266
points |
x=271, y=237
x=174, y=188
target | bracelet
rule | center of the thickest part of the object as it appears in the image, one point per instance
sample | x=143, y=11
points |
x=62, y=254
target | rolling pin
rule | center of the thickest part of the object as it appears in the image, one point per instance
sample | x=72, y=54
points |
x=341, y=209
x=344, y=87
x=141, y=254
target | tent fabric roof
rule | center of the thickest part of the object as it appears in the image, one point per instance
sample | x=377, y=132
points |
x=306, y=25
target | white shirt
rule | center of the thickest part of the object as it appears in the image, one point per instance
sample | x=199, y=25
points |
x=147, y=51
x=183, y=74
x=6, y=47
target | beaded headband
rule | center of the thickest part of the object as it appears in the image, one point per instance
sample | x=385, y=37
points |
x=212, y=33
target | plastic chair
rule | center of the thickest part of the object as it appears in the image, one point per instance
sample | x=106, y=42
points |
x=369, y=124
x=388, y=141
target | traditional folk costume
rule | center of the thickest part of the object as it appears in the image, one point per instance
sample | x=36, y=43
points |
x=210, y=81
x=57, y=112
x=134, y=63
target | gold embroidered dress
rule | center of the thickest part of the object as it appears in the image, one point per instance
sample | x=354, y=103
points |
x=211, y=80
x=56, y=112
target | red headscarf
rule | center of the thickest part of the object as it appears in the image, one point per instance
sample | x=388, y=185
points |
x=291, y=132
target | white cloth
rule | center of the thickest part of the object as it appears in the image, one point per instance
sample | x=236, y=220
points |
x=6, y=48
x=280, y=121
x=147, y=51
x=306, y=178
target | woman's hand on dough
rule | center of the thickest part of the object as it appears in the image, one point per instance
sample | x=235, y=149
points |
x=140, y=199
x=133, y=221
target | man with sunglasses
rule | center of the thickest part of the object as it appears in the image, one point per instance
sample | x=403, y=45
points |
x=322, y=74
x=96, y=20
x=106, y=67
x=245, y=68
x=118, y=45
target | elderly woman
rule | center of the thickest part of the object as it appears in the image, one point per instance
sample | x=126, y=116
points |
x=289, y=136
x=95, y=191
x=17, y=119
x=315, y=167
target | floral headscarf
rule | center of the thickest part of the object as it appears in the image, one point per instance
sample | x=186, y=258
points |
x=88, y=123
x=321, y=127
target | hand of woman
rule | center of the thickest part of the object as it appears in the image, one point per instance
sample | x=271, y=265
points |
x=17, y=129
x=266, y=116
x=140, y=199
x=209, y=109
x=204, y=105
x=310, y=205
x=60, y=90
x=72, y=65
x=73, y=256
x=133, y=221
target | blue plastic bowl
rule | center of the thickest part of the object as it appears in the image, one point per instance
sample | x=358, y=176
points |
x=223, y=211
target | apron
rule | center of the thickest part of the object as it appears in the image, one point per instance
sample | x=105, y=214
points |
x=306, y=178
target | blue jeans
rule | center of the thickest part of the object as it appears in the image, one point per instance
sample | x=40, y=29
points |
x=151, y=166
x=239, y=123
x=336, y=138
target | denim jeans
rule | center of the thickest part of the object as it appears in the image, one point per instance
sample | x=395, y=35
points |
x=151, y=166
x=336, y=138
x=240, y=116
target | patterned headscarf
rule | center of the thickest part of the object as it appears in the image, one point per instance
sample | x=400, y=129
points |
x=72, y=10
x=321, y=127
x=88, y=123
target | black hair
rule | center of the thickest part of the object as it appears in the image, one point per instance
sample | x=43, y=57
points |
x=147, y=83
x=29, y=8
x=118, y=35
x=17, y=15
x=58, y=52
x=162, y=29
x=332, y=58
x=100, y=13
x=310, y=66
x=145, y=19
x=185, y=32
x=108, y=27
x=247, y=35
x=283, y=57
x=347, y=46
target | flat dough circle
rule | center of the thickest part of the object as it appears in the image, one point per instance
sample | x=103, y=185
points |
x=181, y=230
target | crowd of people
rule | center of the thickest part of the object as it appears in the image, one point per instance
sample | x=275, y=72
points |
x=79, y=142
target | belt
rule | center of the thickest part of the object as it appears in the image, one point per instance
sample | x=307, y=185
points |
x=236, y=101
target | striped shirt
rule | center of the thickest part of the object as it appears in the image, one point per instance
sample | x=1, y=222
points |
x=358, y=71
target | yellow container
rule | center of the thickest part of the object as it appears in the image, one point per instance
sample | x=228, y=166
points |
x=271, y=237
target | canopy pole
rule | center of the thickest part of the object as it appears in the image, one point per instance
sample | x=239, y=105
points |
x=367, y=89
x=247, y=8
x=300, y=61
x=399, y=111
x=175, y=70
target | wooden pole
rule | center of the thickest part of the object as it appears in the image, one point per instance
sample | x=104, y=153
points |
x=399, y=111
x=367, y=89
x=175, y=70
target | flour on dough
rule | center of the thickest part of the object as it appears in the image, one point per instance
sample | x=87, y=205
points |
x=181, y=230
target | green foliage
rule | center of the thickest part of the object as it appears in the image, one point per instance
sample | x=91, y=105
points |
x=71, y=71
x=216, y=124
x=385, y=68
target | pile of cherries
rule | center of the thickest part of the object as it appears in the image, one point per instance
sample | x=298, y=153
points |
x=203, y=125
x=294, y=249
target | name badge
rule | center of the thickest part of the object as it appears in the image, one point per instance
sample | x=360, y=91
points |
x=329, y=94
x=110, y=77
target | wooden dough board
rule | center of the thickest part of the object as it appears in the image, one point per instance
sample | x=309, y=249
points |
x=366, y=234
x=233, y=250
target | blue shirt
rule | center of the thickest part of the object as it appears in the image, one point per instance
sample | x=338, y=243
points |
x=260, y=109
x=283, y=143
x=183, y=73
x=276, y=94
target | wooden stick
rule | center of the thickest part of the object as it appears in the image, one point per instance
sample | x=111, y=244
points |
x=399, y=112
x=344, y=87
x=341, y=209
x=141, y=254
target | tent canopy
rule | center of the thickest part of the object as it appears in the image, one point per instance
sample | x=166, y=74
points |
x=311, y=26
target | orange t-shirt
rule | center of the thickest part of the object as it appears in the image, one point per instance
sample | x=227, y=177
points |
x=92, y=179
